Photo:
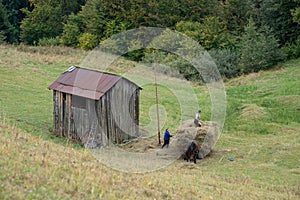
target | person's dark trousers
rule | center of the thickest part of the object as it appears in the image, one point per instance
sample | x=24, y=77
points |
x=166, y=142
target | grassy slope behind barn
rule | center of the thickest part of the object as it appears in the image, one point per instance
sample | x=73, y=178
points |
x=261, y=133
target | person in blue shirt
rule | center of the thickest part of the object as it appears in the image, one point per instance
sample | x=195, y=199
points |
x=166, y=138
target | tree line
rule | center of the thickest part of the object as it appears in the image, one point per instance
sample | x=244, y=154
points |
x=242, y=36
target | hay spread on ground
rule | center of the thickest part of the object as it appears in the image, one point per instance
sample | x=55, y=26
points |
x=145, y=154
x=207, y=136
x=252, y=111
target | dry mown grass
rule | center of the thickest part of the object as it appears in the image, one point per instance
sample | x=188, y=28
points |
x=252, y=112
x=32, y=168
x=26, y=55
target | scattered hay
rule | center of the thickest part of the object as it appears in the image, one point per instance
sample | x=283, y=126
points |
x=141, y=145
x=252, y=111
x=207, y=136
x=188, y=165
x=290, y=100
x=244, y=79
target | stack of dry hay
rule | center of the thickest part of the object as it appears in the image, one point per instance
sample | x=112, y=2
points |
x=206, y=135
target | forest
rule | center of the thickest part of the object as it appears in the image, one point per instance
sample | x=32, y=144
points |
x=242, y=36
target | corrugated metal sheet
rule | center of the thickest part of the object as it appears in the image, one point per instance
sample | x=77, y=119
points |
x=85, y=83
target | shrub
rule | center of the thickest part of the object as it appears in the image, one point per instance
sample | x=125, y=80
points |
x=2, y=37
x=292, y=50
x=53, y=41
x=227, y=62
x=88, y=41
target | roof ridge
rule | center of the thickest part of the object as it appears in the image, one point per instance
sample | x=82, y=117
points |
x=98, y=71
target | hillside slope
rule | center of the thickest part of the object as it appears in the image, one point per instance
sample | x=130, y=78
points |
x=262, y=134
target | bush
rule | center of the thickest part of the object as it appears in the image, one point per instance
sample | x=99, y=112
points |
x=2, y=37
x=88, y=41
x=227, y=62
x=49, y=41
x=292, y=50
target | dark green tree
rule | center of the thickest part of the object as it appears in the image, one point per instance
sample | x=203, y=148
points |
x=15, y=16
x=235, y=14
x=72, y=30
x=210, y=32
x=46, y=19
x=227, y=62
x=166, y=13
x=94, y=18
x=277, y=15
x=6, y=28
x=259, y=49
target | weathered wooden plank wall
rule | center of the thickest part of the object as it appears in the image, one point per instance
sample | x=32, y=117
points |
x=123, y=114
x=80, y=123
x=108, y=119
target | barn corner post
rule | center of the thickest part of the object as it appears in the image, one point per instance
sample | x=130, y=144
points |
x=156, y=98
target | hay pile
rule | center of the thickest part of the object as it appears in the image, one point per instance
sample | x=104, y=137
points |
x=252, y=112
x=207, y=136
x=142, y=145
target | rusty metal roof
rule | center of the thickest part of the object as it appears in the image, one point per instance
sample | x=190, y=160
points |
x=85, y=82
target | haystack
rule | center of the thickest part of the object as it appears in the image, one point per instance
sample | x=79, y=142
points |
x=207, y=136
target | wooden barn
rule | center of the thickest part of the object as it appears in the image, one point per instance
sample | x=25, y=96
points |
x=95, y=108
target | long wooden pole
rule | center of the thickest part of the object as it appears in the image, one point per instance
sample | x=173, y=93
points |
x=157, y=108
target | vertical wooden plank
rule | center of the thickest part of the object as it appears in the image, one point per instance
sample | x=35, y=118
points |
x=60, y=123
x=99, y=129
x=68, y=115
x=55, y=112
x=108, y=116
x=64, y=115
x=101, y=120
x=72, y=125
x=104, y=121
x=137, y=110
x=111, y=131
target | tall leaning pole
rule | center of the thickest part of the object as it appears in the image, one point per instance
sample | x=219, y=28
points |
x=156, y=98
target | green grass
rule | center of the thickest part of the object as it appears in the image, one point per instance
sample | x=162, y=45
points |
x=261, y=132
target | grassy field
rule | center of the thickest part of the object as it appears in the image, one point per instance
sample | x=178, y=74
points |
x=261, y=133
